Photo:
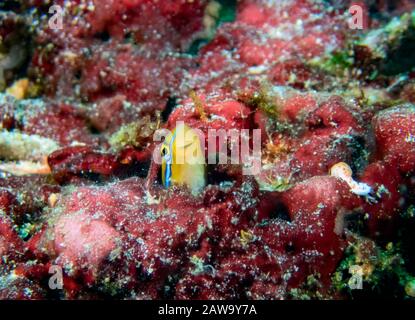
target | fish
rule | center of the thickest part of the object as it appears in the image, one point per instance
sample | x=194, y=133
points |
x=183, y=159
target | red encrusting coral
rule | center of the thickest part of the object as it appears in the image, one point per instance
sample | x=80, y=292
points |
x=117, y=233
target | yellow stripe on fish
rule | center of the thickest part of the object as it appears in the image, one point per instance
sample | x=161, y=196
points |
x=183, y=159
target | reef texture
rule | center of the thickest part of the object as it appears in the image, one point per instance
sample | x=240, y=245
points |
x=82, y=125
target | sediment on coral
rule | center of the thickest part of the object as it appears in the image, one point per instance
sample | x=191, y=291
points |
x=80, y=188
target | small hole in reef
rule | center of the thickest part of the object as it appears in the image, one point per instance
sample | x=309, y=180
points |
x=135, y=169
x=10, y=5
x=215, y=176
x=392, y=5
x=289, y=247
x=356, y=223
x=128, y=36
x=318, y=124
x=93, y=129
x=280, y=212
x=78, y=74
x=170, y=105
x=104, y=36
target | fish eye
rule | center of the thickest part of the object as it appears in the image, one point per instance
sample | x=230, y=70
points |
x=164, y=151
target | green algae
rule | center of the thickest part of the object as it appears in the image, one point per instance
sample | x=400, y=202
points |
x=279, y=184
x=264, y=100
x=309, y=290
x=125, y=136
x=335, y=63
x=383, y=272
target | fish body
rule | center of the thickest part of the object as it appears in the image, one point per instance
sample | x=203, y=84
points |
x=183, y=160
